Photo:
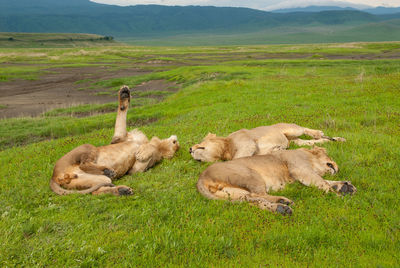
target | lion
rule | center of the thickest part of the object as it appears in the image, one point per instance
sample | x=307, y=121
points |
x=89, y=169
x=252, y=178
x=257, y=141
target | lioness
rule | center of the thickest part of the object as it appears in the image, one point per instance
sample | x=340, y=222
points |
x=90, y=169
x=251, y=178
x=256, y=141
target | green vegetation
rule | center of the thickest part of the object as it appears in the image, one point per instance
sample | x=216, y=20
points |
x=370, y=32
x=12, y=40
x=190, y=25
x=166, y=222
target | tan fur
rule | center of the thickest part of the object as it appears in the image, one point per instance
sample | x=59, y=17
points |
x=90, y=169
x=251, y=178
x=256, y=141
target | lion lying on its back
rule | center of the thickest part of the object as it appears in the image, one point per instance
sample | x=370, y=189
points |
x=251, y=178
x=89, y=169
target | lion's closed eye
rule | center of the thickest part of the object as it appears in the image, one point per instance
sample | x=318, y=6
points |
x=202, y=148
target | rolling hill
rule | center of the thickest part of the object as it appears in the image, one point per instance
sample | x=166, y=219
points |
x=153, y=21
x=375, y=11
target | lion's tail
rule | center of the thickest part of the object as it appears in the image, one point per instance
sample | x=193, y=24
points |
x=61, y=191
x=203, y=189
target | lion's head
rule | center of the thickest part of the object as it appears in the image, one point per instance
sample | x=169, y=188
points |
x=167, y=147
x=321, y=162
x=211, y=149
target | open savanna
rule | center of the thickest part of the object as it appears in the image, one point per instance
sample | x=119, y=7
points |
x=12, y=40
x=349, y=90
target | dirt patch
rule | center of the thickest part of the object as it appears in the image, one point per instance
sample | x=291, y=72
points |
x=57, y=89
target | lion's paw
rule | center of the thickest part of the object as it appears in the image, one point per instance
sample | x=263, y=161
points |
x=109, y=173
x=284, y=200
x=144, y=153
x=124, y=97
x=124, y=190
x=344, y=187
x=284, y=210
x=339, y=139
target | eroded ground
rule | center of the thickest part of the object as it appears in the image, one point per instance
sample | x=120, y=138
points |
x=71, y=86
x=62, y=87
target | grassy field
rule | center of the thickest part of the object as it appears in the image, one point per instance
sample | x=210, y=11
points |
x=38, y=40
x=167, y=222
x=377, y=31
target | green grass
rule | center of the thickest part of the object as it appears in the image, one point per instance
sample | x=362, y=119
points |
x=371, y=32
x=41, y=40
x=167, y=222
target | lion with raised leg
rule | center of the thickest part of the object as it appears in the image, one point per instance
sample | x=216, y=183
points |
x=252, y=178
x=257, y=141
x=89, y=169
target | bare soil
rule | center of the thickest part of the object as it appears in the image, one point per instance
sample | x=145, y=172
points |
x=59, y=89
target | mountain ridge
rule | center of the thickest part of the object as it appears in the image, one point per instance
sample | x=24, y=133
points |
x=313, y=8
x=84, y=16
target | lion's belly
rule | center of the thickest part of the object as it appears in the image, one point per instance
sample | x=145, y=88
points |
x=119, y=158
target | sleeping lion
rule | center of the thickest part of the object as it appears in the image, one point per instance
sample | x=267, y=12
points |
x=89, y=169
x=251, y=178
x=256, y=141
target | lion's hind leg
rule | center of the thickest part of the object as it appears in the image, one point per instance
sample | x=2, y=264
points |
x=301, y=142
x=116, y=190
x=230, y=193
x=293, y=132
x=265, y=202
x=124, y=97
x=85, y=181
x=95, y=169
x=274, y=198
x=319, y=135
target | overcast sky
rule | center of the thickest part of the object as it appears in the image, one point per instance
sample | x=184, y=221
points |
x=259, y=4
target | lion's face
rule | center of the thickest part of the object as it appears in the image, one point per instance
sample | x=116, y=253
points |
x=211, y=149
x=174, y=144
x=170, y=146
x=322, y=162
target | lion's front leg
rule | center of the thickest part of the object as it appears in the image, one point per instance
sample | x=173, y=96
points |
x=145, y=152
x=309, y=178
x=141, y=166
x=146, y=156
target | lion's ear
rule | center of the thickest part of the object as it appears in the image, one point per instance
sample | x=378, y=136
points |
x=318, y=150
x=211, y=135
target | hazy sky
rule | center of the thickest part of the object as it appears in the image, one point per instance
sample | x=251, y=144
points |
x=259, y=4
